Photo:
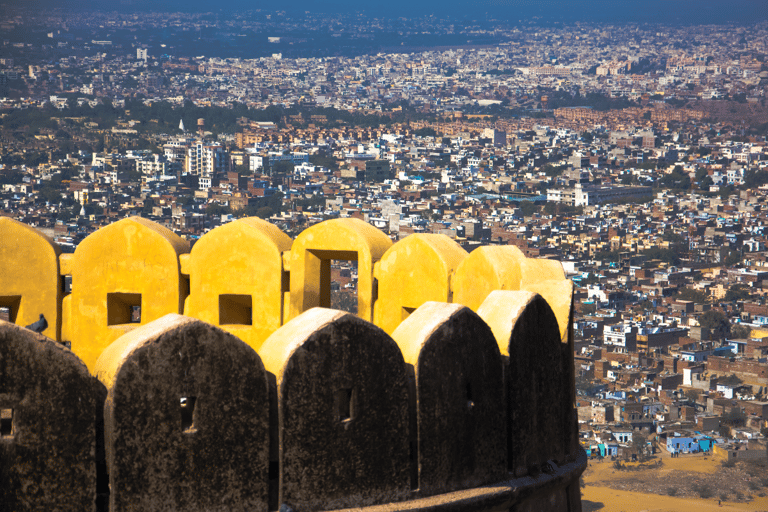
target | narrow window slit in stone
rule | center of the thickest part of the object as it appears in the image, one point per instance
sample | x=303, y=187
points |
x=187, y=408
x=345, y=406
x=6, y=422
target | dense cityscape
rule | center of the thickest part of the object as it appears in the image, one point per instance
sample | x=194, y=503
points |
x=635, y=154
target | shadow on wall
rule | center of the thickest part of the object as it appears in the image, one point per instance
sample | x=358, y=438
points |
x=332, y=413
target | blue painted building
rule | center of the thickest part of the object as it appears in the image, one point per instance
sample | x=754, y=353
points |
x=677, y=443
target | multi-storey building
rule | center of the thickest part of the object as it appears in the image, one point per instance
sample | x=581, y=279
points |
x=207, y=161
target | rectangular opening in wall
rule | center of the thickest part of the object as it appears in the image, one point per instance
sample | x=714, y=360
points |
x=187, y=410
x=345, y=404
x=337, y=285
x=123, y=308
x=235, y=309
x=6, y=422
x=344, y=285
x=66, y=285
x=9, y=307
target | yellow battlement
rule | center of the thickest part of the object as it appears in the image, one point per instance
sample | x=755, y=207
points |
x=248, y=277
x=225, y=381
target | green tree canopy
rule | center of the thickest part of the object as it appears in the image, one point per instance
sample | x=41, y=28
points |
x=737, y=292
x=716, y=321
x=692, y=295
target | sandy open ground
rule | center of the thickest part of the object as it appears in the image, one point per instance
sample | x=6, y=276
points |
x=600, y=477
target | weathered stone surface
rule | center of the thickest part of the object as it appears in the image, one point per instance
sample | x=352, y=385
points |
x=559, y=296
x=538, y=391
x=186, y=419
x=50, y=408
x=460, y=410
x=555, y=500
x=342, y=393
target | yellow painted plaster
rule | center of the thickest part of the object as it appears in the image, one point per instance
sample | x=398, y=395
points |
x=29, y=276
x=486, y=269
x=501, y=310
x=533, y=270
x=415, y=270
x=242, y=258
x=131, y=256
x=340, y=239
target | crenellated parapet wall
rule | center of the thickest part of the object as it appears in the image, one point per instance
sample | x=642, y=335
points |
x=451, y=390
x=248, y=277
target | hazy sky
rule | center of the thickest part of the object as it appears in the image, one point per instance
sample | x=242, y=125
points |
x=672, y=11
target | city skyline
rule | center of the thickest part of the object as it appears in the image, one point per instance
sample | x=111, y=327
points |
x=685, y=12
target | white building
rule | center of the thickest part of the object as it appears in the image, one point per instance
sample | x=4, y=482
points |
x=586, y=195
x=207, y=160
x=157, y=165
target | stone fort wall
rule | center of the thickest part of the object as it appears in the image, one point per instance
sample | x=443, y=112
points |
x=217, y=378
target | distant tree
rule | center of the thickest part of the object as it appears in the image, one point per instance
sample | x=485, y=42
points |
x=755, y=177
x=702, y=179
x=50, y=195
x=281, y=168
x=149, y=204
x=726, y=191
x=10, y=176
x=185, y=200
x=133, y=176
x=692, y=295
x=739, y=331
x=731, y=380
x=716, y=322
x=325, y=161
x=263, y=212
x=732, y=258
x=528, y=208
x=553, y=170
x=216, y=209
x=425, y=132
x=243, y=170
x=692, y=394
x=670, y=256
x=738, y=291
x=676, y=180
